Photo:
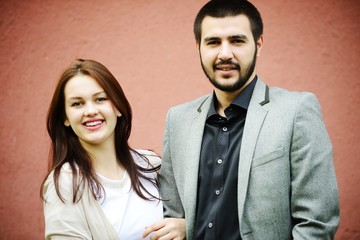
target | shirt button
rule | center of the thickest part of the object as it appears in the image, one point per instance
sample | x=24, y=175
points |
x=217, y=192
x=219, y=161
x=224, y=129
x=210, y=225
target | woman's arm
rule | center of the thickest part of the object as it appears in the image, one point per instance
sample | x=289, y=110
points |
x=63, y=220
x=167, y=229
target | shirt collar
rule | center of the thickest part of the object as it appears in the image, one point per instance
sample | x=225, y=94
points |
x=241, y=100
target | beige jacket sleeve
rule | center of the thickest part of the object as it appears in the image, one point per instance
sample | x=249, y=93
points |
x=67, y=220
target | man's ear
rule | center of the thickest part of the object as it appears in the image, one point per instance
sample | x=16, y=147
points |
x=259, y=44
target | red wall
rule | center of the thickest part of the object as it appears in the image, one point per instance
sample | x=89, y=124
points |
x=148, y=45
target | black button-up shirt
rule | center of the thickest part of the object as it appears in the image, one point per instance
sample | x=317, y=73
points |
x=217, y=212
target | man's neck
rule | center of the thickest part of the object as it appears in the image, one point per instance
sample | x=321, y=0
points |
x=224, y=99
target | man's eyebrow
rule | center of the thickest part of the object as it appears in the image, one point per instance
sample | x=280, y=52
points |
x=240, y=36
x=207, y=39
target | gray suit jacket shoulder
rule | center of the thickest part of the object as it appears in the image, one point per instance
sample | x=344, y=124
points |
x=286, y=180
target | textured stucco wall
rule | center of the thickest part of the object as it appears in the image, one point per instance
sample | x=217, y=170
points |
x=148, y=45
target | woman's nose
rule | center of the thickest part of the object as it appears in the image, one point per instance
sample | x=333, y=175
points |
x=91, y=109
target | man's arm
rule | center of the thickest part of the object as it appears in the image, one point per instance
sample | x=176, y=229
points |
x=314, y=195
x=168, y=187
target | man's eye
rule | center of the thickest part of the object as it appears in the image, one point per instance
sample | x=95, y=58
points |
x=236, y=41
x=213, y=43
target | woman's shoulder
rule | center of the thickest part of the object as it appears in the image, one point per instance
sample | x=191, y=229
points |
x=65, y=177
x=64, y=183
x=65, y=172
x=153, y=158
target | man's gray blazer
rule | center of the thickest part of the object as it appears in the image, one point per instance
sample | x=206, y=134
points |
x=287, y=187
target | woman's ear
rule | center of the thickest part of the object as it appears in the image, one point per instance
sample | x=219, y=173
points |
x=118, y=113
x=67, y=123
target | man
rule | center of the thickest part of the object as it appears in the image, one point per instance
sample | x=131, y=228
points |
x=247, y=161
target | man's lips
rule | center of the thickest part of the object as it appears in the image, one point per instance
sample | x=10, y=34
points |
x=226, y=67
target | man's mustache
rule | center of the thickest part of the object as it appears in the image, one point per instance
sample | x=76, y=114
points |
x=227, y=64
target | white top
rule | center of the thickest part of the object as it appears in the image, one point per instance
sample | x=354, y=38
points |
x=121, y=202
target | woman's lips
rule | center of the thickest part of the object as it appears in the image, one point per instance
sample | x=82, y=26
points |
x=93, y=124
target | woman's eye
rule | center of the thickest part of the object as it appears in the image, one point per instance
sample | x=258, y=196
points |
x=101, y=99
x=76, y=104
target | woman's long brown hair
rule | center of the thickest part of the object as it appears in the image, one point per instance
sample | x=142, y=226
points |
x=65, y=145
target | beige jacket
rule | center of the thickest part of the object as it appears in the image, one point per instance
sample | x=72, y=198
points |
x=82, y=220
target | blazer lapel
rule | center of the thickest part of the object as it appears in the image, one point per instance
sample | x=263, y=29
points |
x=255, y=117
x=192, y=158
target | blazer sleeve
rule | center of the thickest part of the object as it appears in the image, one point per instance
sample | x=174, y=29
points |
x=167, y=184
x=63, y=220
x=314, y=195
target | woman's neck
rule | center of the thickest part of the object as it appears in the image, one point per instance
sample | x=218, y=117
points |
x=105, y=161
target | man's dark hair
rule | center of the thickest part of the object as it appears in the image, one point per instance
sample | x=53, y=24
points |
x=226, y=8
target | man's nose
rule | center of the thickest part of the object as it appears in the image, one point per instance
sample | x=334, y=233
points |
x=225, y=52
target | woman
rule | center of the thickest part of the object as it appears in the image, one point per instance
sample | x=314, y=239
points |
x=97, y=187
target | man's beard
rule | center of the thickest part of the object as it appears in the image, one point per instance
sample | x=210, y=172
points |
x=241, y=81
